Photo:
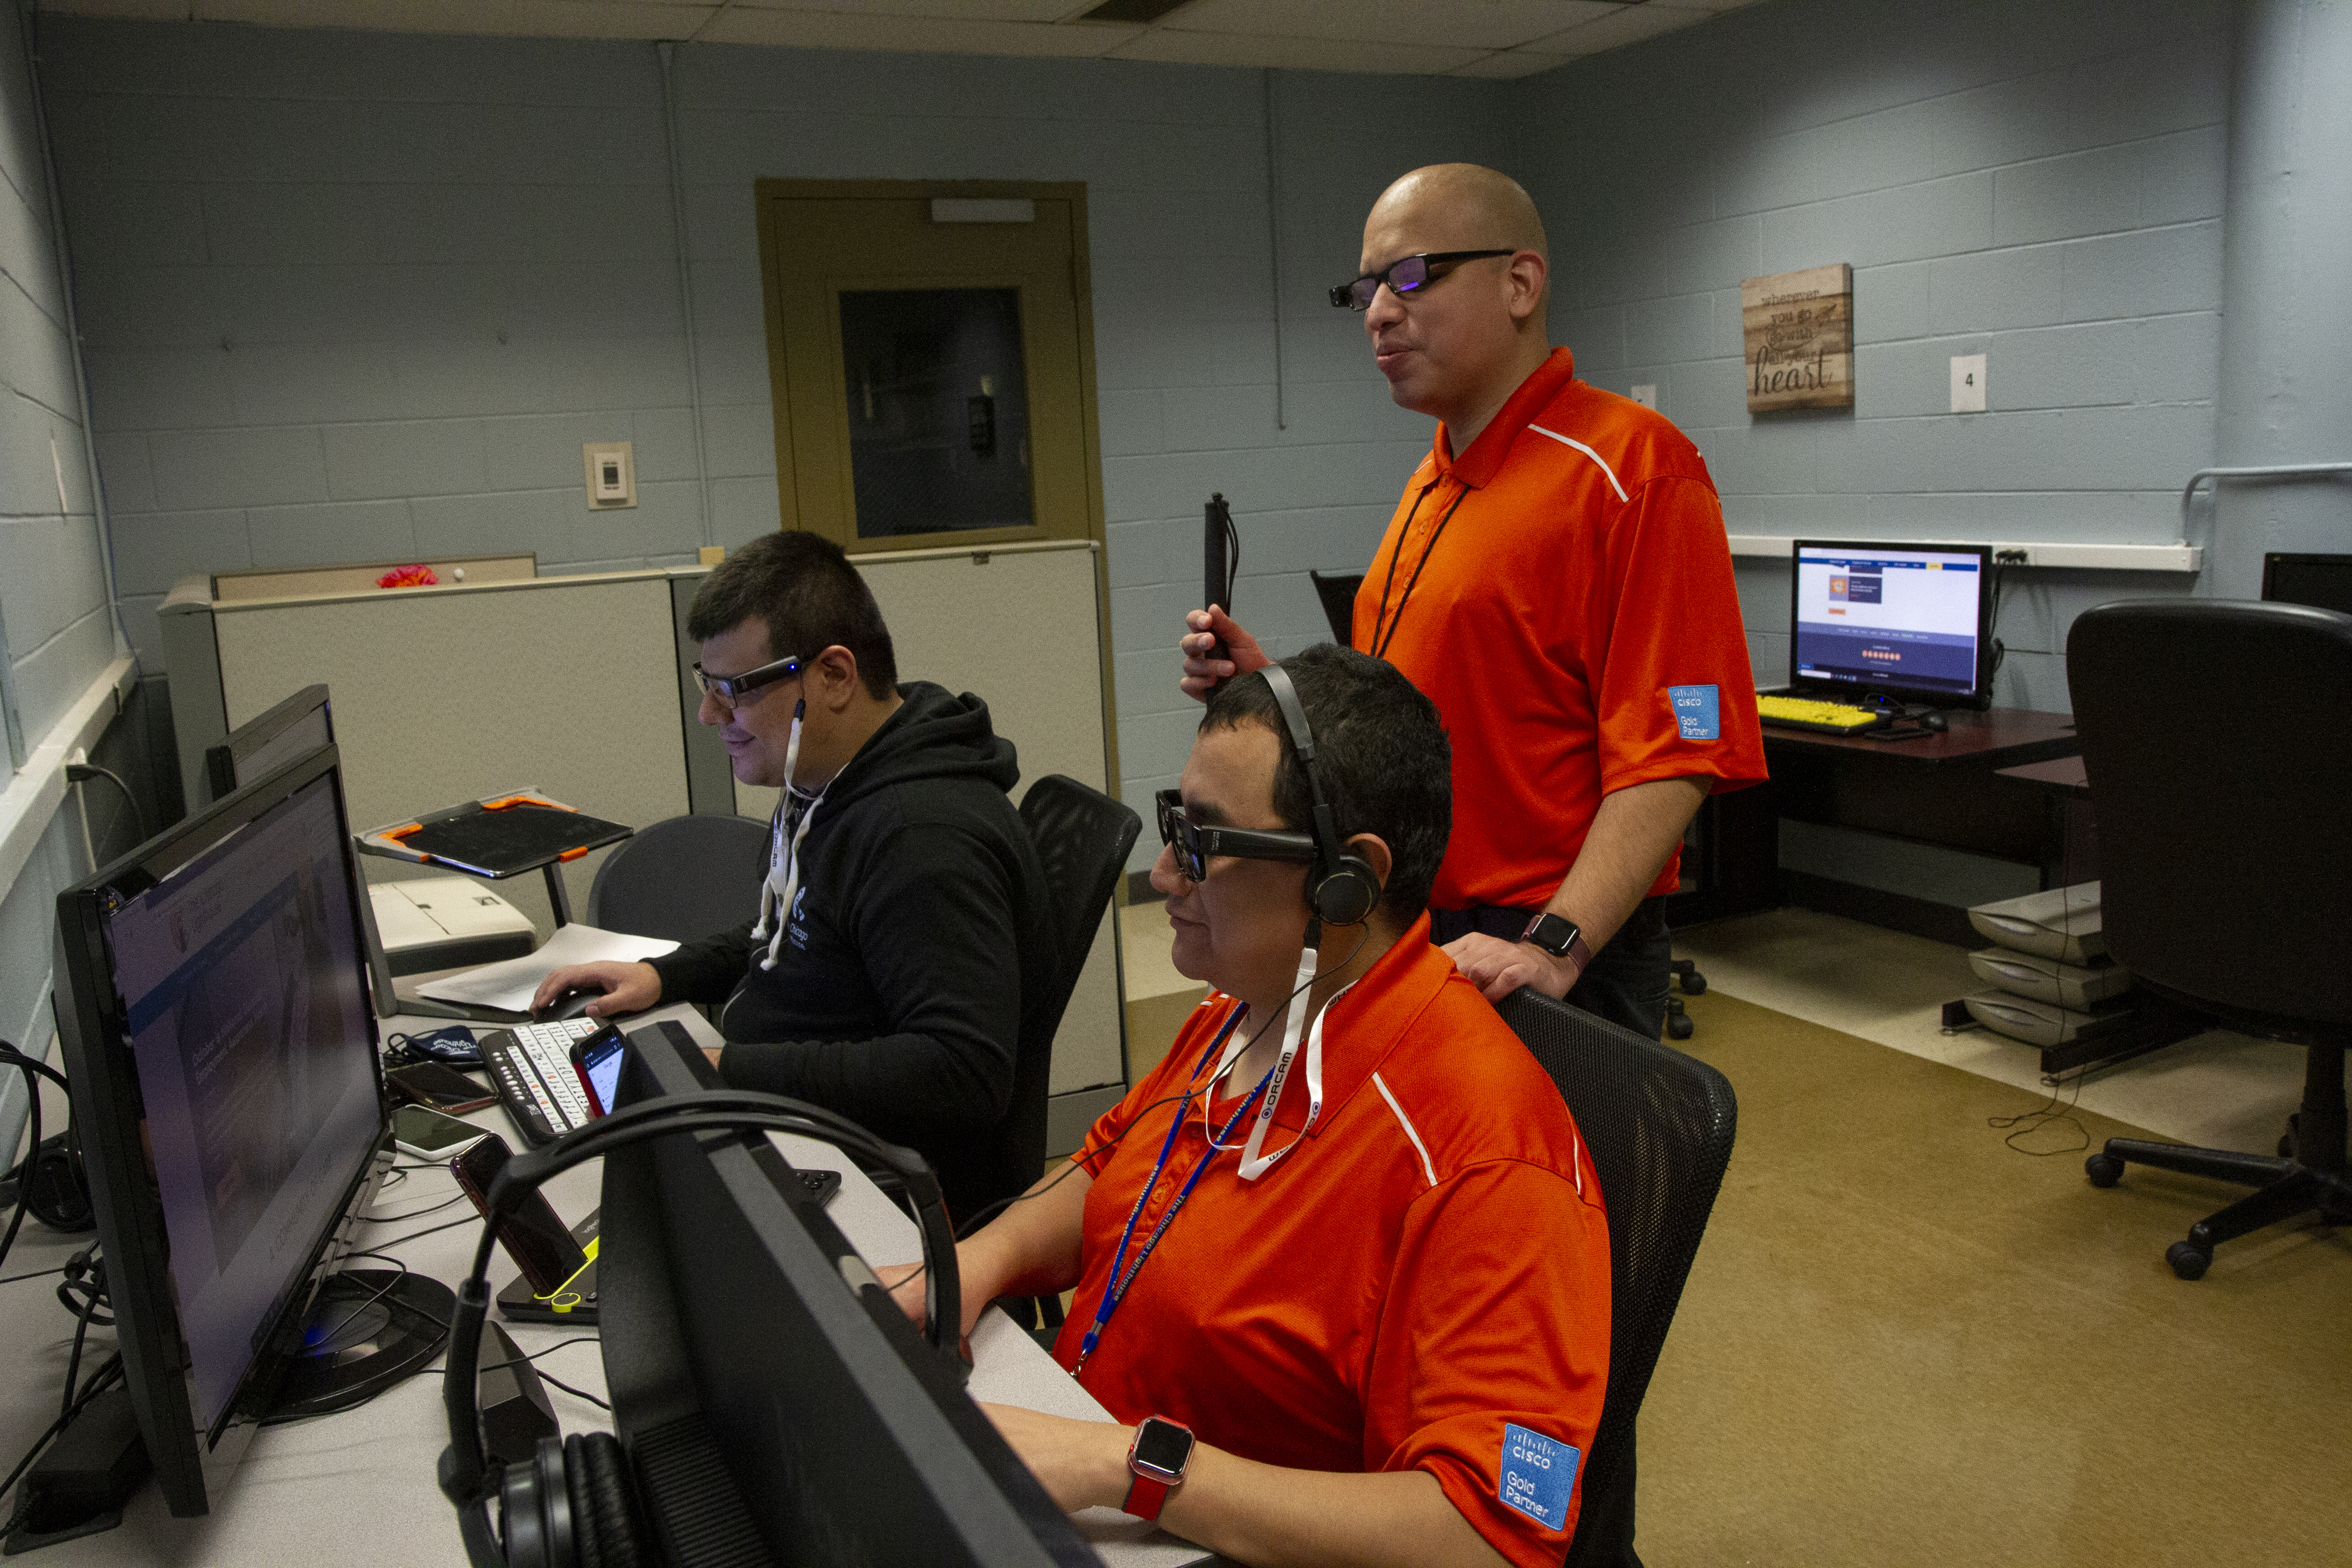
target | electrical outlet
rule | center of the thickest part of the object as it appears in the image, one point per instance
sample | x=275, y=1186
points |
x=611, y=475
x=1646, y=395
x=1968, y=383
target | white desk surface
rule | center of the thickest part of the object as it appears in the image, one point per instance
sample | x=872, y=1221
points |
x=358, y=1488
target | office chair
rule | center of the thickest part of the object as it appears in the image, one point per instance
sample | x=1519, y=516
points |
x=1660, y=1126
x=684, y=877
x=2213, y=735
x=1082, y=838
x=1338, y=592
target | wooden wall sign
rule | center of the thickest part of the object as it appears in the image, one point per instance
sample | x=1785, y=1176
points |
x=1799, y=328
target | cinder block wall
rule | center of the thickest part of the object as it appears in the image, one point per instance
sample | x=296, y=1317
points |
x=360, y=295
x=2039, y=182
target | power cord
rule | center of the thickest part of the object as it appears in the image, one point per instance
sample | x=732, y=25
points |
x=33, y=1071
x=82, y=773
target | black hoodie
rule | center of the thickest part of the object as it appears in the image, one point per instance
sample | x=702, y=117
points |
x=916, y=949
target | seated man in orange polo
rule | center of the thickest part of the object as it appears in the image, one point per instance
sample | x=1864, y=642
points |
x=1341, y=1261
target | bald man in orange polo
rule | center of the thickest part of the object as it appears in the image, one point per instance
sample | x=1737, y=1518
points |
x=1557, y=581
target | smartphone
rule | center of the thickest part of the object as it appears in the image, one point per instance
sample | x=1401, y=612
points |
x=598, y=1059
x=421, y=1131
x=537, y=1241
x=440, y=1088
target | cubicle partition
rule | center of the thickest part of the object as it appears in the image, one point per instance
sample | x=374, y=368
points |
x=580, y=687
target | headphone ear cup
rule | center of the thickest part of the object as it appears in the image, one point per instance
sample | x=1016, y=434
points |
x=584, y=1552
x=1346, y=896
x=611, y=1505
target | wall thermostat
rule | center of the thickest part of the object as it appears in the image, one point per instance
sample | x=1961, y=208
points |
x=612, y=474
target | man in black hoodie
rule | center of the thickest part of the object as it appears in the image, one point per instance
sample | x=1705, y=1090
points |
x=903, y=941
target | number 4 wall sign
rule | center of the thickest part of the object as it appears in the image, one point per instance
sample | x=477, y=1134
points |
x=1799, y=328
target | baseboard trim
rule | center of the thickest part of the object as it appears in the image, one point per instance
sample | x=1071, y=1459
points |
x=1896, y=911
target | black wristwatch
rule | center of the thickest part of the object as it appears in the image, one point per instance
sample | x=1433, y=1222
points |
x=1560, y=938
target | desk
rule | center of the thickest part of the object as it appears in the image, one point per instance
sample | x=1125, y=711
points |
x=358, y=1488
x=1936, y=789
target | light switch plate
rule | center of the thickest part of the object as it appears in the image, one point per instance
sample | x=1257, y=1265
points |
x=1968, y=383
x=612, y=474
x=1646, y=395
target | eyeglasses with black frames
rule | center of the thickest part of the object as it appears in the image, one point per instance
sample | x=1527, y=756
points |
x=736, y=691
x=1402, y=276
x=1193, y=845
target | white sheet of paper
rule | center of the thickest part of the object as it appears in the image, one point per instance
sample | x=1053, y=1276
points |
x=510, y=983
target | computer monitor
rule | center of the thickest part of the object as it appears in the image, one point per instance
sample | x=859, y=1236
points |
x=2323, y=581
x=263, y=745
x=259, y=747
x=1911, y=622
x=760, y=1394
x=213, y=1011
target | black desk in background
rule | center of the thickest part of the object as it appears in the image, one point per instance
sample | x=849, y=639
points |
x=1942, y=789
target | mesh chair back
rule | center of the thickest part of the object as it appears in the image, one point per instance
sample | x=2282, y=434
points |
x=1338, y=592
x=684, y=877
x=1082, y=836
x=2215, y=738
x=1659, y=1125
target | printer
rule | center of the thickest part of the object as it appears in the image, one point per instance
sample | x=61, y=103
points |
x=448, y=922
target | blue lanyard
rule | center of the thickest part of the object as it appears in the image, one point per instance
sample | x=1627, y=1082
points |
x=1114, y=1289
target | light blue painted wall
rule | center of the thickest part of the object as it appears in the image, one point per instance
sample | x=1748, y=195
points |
x=352, y=296
x=2038, y=182
x=52, y=600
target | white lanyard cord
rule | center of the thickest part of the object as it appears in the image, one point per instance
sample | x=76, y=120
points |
x=776, y=894
x=1253, y=1164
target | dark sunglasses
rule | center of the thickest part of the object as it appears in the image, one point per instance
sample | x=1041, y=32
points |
x=1194, y=845
x=1402, y=276
x=733, y=690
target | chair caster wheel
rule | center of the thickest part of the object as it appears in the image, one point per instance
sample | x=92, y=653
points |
x=1694, y=984
x=1680, y=1027
x=2105, y=1170
x=2188, y=1259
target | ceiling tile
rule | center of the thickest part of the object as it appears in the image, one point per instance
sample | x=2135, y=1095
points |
x=919, y=35
x=526, y=19
x=1174, y=47
x=1468, y=24
x=1510, y=64
x=959, y=10
x=143, y=10
x=1628, y=26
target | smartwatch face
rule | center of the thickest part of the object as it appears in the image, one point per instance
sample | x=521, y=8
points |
x=1163, y=1447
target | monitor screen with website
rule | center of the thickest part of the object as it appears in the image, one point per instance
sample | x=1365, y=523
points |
x=214, y=1010
x=1905, y=621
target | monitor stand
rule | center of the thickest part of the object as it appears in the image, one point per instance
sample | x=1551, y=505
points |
x=367, y=1330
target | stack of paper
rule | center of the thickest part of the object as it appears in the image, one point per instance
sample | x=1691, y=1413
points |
x=509, y=986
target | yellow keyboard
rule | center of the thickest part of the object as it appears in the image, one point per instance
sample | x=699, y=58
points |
x=1829, y=718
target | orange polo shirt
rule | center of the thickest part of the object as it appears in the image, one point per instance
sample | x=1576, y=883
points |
x=1422, y=1284
x=1575, y=622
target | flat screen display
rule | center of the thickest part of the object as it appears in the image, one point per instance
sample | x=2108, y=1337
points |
x=248, y=1026
x=1890, y=617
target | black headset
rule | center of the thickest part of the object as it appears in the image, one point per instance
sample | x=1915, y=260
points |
x=574, y=1505
x=55, y=1187
x=1341, y=888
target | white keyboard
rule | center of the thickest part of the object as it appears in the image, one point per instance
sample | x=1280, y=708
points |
x=532, y=1065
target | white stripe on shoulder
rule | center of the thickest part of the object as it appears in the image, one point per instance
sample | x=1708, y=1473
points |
x=1406, y=1122
x=1571, y=441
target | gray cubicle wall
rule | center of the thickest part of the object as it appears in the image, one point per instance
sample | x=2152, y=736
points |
x=565, y=685
x=578, y=687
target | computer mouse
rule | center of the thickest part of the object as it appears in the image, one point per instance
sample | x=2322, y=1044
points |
x=571, y=1004
x=1936, y=721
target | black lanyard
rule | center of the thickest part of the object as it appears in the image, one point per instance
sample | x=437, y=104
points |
x=1379, y=648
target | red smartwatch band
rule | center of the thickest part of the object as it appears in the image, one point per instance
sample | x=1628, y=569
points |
x=1145, y=1496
